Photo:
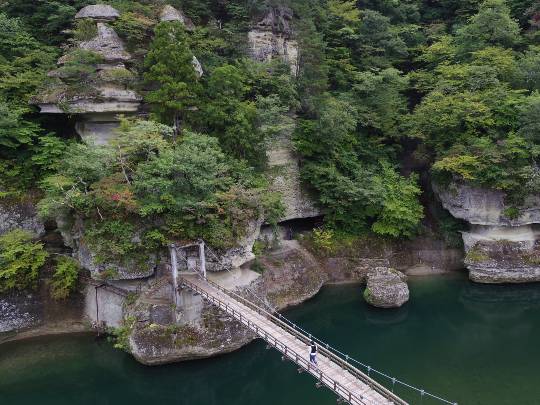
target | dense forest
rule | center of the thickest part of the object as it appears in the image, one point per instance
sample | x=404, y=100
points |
x=389, y=96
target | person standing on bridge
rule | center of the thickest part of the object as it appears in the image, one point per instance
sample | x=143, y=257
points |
x=313, y=353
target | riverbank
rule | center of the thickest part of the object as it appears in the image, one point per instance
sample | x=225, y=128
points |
x=473, y=344
x=291, y=275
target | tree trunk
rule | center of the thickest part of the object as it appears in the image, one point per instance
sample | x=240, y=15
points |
x=177, y=126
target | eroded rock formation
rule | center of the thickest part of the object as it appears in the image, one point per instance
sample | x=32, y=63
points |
x=34, y=313
x=386, y=288
x=20, y=215
x=98, y=12
x=502, y=243
x=285, y=174
x=169, y=13
x=97, y=106
x=272, y=37
x=161, y=333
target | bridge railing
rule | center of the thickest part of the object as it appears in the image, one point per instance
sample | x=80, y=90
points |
x=299, y=358
x=344, y=360
x=306, y=339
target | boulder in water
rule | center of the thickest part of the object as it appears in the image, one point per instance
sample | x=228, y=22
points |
x=386, y=288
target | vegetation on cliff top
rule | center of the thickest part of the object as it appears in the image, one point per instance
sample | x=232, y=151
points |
x=386, y=92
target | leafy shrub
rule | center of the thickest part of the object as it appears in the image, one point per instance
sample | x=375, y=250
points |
x=120, y=336
x=134, y=28
x=323, y=240
x=65, y=278
x=259, y=247
x=257, y=266
x=118, y=75
x=85, y=30
x=511, y=213
x=475, y=255
x=20, y=260
x=111, y=240
x=79, y=72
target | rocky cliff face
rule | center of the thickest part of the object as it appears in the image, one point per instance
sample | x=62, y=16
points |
x=285, y=174
x=502, y=241
x=20, y=215
x=73, y=235
x=27, y=314
x=161, y=333
x=169, y=13
x=97, y=106
x=272, y=37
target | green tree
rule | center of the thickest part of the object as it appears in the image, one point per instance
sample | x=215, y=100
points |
x=24, y=62
x=529, y=119
x=491, y=26
x=529, y=69
x=358, y=194
x=313, y=67
x=20, y=260
x=380, y=101
x=15, y=130
x=400, y=212
x=65, y=277
x=170, y=71
x=232, y=118
x=184, y=177
x=378, y=43
x=48, y=18
x=69, y=189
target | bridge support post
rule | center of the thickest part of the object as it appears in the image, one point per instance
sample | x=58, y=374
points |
x=174, y=270
x=202, y=258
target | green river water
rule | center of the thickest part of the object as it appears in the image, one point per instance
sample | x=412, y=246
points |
x=470, y=343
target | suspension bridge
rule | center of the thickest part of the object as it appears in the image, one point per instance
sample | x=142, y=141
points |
x=334, y=370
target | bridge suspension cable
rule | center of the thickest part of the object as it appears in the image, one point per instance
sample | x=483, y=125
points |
x=395, y=382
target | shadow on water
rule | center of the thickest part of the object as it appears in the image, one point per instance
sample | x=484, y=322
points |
x=474, y=344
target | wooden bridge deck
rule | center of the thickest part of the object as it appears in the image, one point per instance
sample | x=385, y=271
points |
x=349, y=383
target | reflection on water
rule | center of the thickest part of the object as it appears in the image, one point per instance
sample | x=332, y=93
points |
x=474, y=344
x=379, y=316
x=509, y=301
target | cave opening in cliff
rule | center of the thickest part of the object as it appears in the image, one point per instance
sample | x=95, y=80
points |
x=290, y=229
x=61, y=124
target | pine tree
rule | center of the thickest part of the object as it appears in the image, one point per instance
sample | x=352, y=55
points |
x=171, y=75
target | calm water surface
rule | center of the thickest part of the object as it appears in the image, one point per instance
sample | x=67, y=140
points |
x=471, y=343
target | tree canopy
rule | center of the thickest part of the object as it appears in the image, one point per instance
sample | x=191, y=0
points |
x=386, y=98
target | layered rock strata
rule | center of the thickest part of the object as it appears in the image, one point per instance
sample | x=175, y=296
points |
x=98, y=106
x=130, y=269
x=285, y=173
x=502, y=243
x=272, y=37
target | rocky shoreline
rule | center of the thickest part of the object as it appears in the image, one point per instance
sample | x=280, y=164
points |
x=156, y=334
